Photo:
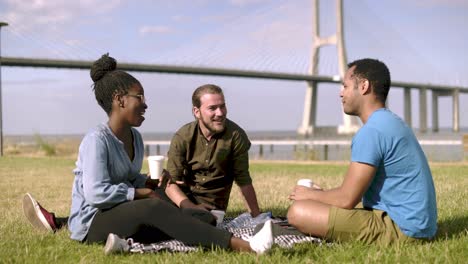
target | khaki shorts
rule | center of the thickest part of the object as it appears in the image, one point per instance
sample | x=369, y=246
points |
x=368, y=226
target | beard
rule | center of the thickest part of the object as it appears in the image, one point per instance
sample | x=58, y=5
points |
x=216, y=126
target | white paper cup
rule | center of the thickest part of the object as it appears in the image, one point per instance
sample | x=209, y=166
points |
x=219, y=216
x=155, y=164
x=305, y=182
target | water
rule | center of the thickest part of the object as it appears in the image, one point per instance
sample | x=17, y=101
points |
x=330, y=152
x=289, y=152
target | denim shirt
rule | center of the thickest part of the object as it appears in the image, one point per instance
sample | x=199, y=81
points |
x=104, y=177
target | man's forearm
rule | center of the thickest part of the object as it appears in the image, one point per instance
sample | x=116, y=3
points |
x=335, y=197
x=357, y=180
x=175, y=194
x=251, y=199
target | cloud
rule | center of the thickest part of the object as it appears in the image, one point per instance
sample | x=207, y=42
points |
x=27, y=15
x=53, y=28
x=146, y=30
x=279, y=41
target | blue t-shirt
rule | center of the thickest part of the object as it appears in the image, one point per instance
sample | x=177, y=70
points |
x=403, y=185
x=104, y=177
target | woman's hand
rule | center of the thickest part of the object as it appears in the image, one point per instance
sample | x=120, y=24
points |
x=153, y=184
x=165, y=178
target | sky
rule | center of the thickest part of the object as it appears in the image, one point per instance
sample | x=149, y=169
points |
x=420, y=41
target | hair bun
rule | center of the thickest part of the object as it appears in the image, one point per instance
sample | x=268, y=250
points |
x=102, y=66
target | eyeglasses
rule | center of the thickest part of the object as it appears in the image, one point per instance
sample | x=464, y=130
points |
x=139, y=96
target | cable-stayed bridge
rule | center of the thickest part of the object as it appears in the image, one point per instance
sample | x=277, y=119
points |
x=259, y=61
x=437, y=89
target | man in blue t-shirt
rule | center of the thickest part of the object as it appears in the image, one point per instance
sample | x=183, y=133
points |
x=388, y=173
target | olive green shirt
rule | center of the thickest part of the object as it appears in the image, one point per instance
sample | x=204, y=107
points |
x=209, y=168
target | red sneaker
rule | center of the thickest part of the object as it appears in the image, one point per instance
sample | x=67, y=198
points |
x=39, y=217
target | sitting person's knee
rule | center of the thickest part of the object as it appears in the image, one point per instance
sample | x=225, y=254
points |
x=294, y=213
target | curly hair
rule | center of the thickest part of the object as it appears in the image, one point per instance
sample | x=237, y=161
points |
x=108, y=81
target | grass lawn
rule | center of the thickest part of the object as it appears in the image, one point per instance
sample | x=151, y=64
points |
x=50, y=180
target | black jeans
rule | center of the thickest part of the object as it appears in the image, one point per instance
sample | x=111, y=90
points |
x=62, y=222
x=154, y=220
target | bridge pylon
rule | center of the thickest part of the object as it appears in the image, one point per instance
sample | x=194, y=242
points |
x=350, y=123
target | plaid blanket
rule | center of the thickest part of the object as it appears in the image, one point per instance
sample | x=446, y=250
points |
x=283, y=241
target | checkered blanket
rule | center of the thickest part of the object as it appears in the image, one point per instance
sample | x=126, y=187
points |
x=283, y=241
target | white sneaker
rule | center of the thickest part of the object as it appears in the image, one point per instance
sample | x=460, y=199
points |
x=263, y=240
x=115, y=244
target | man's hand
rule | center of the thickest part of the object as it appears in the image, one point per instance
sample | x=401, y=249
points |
x=303, y=193
x=250, y=199
x=203, y=206
x=142, y=193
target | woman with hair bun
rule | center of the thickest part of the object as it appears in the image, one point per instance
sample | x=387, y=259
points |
x=111, y=199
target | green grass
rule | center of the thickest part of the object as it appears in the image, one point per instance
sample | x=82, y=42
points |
x=50, y=179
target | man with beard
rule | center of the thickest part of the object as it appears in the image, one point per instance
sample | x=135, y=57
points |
x=208, y=155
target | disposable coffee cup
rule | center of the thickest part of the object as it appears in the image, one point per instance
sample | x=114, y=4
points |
x=305, y=182
x=219, y=216
x=155, y=164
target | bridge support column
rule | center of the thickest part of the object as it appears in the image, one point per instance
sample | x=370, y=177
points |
x=310, y=103
x=456, y=110
x=351, y=124
x=423, y=110
x=310, y=110
x=455, y=94
x=407, y=106
x=435, y=111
